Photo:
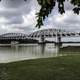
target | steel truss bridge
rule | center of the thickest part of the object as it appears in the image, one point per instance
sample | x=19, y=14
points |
x=42, y=34
x=51, y=33
x=12, y=36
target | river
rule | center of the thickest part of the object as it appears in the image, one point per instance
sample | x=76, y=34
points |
x=33, y=51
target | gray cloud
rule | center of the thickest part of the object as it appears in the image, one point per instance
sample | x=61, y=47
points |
x=13, y=3
x=19, y=16
x=12, y=12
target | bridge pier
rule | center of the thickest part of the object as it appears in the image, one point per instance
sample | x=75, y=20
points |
x=58, y=43
x=42, y=39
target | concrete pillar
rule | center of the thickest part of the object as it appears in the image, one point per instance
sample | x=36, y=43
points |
x=58, y=41
x=58, y=38
x=42, y=39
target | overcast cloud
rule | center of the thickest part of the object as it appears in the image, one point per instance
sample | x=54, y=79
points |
x=19, y=16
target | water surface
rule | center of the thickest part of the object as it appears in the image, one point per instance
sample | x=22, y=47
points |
x=33, y=51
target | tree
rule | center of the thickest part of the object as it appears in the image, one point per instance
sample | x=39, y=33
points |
x=48, y=5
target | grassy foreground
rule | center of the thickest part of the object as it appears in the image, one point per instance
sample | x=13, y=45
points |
x=60, y=68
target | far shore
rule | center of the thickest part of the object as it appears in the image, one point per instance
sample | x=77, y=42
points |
x=3, y=45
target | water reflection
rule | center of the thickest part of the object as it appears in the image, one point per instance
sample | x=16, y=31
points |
x=32, y=51
x=14, y=53
x=42, y=47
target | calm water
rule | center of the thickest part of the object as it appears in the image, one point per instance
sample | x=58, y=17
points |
x=32, y=51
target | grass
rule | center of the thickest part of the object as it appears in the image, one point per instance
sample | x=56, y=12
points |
x=60, y=68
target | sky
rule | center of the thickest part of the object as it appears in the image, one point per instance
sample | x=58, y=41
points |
x=20, y=16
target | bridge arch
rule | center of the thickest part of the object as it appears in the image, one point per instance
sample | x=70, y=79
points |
x=13, y=36
x=48, y=33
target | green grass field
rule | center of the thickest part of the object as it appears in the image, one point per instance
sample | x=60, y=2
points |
x=59, y=68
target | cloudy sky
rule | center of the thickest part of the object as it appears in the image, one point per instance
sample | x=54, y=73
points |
x=19, y=16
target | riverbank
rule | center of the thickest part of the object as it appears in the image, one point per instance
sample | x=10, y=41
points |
x=59, y=68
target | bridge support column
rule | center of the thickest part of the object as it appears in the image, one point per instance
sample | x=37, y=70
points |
x=58, y=43
x=42, y=39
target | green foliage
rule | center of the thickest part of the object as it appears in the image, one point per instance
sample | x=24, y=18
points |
x=46, y=8
x=48, y=5
x=77, y=4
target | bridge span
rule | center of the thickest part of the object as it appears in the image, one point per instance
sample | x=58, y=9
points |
x=53, y=33
x=42, y=35
x=16, y=37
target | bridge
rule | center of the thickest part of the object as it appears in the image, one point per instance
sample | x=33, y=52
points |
x=41, y=34
x=15, y=37
x=12, y=36
x=51, y=33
